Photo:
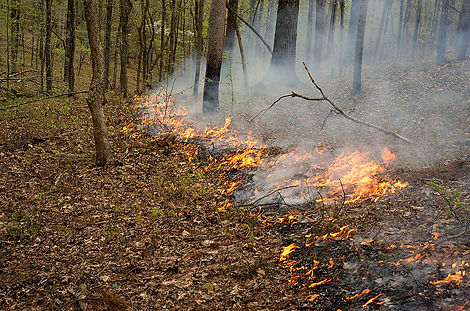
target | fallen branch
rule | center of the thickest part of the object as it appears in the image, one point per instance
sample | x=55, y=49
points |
x=336, y=109
x=42, y=99
x=252, y=29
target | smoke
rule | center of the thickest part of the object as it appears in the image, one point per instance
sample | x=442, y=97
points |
x=414, y=97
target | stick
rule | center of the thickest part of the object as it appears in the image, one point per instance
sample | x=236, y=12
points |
x=42, y=99
x=252, y=29
x=336, y=109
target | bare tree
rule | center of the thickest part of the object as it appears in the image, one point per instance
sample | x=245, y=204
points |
x=125, y=10
x=320, y=33
x=47, y=47
x=15, y=34
x=96, y=98
x=215, y=48
x=361, y=29
x=199, y=17
x=417, y=25
x=308, y=39
x=442, y=39
x=464, y=29
x=107, y=41
x=69, y=73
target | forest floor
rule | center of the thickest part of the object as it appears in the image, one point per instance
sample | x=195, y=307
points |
x=144, y=234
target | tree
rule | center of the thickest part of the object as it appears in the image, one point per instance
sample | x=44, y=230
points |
x=464, y=29
x=47, y=47
x=96, y=98
x=320, y=27
x=442, y=39
x=107, y=41
x=361, y=29
x=417, y=24
x=15, y=34
x=231, y=25
x=352, y=28
x=285, y=43
x=199, y=18
x=69, y=73
x=215, y=46
x=125, y=10
x=308, y=39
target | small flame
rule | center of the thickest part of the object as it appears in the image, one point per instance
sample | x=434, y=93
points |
x=286, y=251
x=457, y=278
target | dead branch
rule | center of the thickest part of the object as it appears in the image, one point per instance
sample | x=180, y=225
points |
x=252, y=29
x=42, y=99
x=336, y=110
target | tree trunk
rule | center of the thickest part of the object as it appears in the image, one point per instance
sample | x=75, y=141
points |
x=352, y=29
x=417, y=24
x=96, y=98
x=342, y=5
x=69, y=73
x=15, y=34
x=199, y=18
x=107, y=42
x=231, y=25
x=361, y=29
x=308, y=38
x=442, y=39
x=215, y=48
x=282, y=67
x=320, y=25
x=464, y=30
x=125, y=10
x=242, y=55
x=331, y=33
x=47, y=48
x=162, y=42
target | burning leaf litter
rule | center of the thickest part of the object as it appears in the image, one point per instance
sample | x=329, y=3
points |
x=352, y=177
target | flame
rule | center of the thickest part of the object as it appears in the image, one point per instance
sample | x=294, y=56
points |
x=365, y=291
x=319, y=283
x=371, y=300
x=457, y=277
x=286, y=251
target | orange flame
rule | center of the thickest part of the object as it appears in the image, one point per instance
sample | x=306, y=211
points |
x=457, y=277
x=286, y=251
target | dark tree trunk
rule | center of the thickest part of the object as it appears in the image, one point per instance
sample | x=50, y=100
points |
x=96, y=98
x=162, y=42
x=231, y=25
x=417, y=24
x=125, y=10
x=352, y=28
x=308, y=39
x=15, y=34
x=69, y=73
x=381, y=33
x=361, y=29
x=331, y=33
x=107, y=41
x=215, y=49
x=282, y=65
x=464, y=30
x=320, y=33
x=342, y=5
x=173, y=35
x=199, y=17
x=47, y=48
x=442, y=39
x=242, y=55
x=400, y=27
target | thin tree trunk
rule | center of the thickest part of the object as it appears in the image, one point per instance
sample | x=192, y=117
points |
x=96, y=98
x=47, y=48
x=162, y=42
x=352, y=28
x=107, y=42
x=242, y=55
x=320, y=25
x=214, y=56
x=361, y=29
x=331, y=33
x=381, y=32
x=417, y=24
x=464, y=31
x=125, y=10
x=15, y=34
x=442, y=39
x=199, y=17
x=70, y=46
x=231, y=25
x=400, y=27
x=308, y=39
x=342, y=5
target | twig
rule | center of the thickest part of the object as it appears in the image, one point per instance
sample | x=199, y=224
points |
x=42, y=99
x=252, y=29
x=336, y=109
x=271, y=193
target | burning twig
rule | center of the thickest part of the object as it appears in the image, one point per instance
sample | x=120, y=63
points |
x=336, y=110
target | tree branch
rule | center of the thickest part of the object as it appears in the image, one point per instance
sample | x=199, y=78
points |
x=336, y=109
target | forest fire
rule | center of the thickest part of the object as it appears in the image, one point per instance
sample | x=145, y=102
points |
x=350, y=177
